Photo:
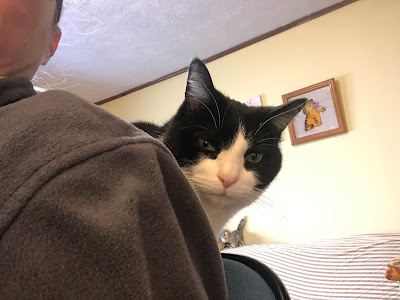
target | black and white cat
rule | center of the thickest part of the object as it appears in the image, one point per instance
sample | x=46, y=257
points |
x=228, y=151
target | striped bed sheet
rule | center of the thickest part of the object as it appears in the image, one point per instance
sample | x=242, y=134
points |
x=345, y=268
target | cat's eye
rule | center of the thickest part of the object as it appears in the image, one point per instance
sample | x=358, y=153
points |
x=254, y=158
x=206, y=145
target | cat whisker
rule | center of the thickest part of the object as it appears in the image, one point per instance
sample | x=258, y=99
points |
x=200, y=187
x=223, y=117
x=205, y=105
x=216, y=104
x=256, y=208
x=282, y=113
x=262, y=205
x=190, y=172
x=270, y=145
x=251, y=136
x=202, y=182
x=264, y=135
x=198, y=178
x=203, y=127
x=267, y=140
x=187, y=162
x=269, y=203
x=259, y=208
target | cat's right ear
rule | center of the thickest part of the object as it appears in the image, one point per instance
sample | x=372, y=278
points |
x=282, y=115
x=199, y=87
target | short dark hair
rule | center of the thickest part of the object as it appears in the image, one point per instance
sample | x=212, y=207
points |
x=57, y=13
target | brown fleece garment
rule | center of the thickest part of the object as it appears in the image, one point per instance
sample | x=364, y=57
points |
x=93, y=208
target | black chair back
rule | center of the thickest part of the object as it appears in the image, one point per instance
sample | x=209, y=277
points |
x=246, y=278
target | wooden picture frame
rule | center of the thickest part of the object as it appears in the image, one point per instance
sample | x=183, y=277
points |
x=322, y=115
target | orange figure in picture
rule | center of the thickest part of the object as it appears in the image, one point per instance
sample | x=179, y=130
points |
x=313, y=118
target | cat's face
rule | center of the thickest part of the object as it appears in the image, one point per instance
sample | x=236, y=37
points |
x=228, y=151
x=228, y=177
x=308, y=106
x=230, y=161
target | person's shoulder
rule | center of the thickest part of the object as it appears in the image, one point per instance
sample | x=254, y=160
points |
x=77, y=117
x=60, y=99
x=72, y=107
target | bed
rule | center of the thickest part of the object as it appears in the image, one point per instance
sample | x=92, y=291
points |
x=345, y=268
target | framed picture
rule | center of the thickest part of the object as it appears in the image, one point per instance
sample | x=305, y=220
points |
x=322, y=115
x=256, y=101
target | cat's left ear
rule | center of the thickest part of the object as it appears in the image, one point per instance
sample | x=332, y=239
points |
x=199, y=86
x=282, y=115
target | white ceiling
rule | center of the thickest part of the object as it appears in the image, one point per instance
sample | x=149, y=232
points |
x=110, y=46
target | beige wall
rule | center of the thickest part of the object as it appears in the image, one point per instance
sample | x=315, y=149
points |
x=339, y=186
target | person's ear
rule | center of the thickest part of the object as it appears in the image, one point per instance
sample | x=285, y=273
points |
x=53, y=45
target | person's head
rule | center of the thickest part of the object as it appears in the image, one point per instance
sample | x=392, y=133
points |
x=29, y=35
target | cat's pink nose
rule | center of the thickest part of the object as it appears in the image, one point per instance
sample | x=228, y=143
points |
x=227, y=180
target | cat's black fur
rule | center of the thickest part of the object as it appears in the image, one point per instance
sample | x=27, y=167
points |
x=152, y=129
x=216, y=118
x=225, y=177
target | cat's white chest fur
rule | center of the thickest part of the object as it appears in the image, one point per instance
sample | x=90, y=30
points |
x=223, y=184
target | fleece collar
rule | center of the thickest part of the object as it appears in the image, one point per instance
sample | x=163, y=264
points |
x=14, y=89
